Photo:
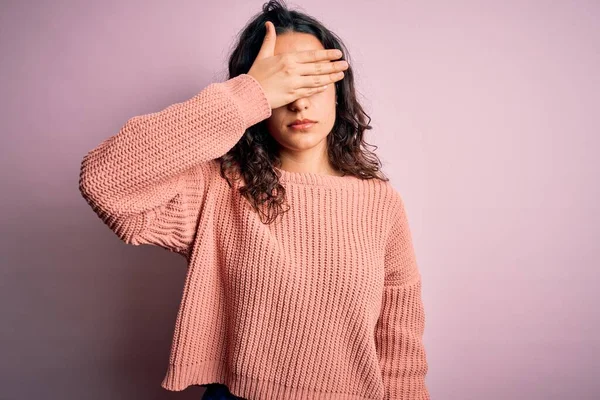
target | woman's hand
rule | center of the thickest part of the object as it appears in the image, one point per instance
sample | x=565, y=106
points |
x=290, y=76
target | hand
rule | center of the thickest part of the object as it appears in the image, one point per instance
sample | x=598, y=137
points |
x=289, y=76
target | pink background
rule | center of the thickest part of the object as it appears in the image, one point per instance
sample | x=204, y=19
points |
x=486, y=114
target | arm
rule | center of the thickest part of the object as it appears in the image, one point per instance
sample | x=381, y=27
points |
x=399, y=330
x=146, y=182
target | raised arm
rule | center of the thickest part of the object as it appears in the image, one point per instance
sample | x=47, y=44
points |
x=147, y=181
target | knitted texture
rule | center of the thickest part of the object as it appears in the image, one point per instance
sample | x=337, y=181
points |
x=324, y=303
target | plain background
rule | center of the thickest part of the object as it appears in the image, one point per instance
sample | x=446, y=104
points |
x=486, y=117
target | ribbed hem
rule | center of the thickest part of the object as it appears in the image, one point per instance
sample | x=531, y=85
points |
x=179, y=377
x=250, y=98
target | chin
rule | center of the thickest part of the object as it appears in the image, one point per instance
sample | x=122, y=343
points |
x=302, y=140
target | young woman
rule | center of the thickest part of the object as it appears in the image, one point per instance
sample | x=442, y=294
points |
x=317, y=300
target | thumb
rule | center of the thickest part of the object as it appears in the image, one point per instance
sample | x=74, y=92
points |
x=268, y=46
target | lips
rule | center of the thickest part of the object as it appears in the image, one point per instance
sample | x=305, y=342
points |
x=302, y=122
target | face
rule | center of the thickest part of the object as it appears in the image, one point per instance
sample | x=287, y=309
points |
x=319, y=107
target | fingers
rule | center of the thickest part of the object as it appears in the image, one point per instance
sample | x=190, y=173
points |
x=315, y=81
x=308, y=56
x=321, y=68
x=268, y=45
x=306, y=92
x=314, y=74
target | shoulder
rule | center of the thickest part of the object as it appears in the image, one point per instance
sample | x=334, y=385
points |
x=202, y=178
x=395, y=220
x=210, y=171
x=391, y=197
x=214, y=180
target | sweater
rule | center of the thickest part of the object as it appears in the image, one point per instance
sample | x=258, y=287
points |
x=323, y=303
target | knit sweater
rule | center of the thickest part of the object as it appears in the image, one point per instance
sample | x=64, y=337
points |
x=323, y=303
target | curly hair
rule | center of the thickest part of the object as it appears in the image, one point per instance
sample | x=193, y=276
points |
x=255, y=154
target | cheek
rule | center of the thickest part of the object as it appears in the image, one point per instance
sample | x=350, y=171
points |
x=327, y=103
x=276, y=121
x=324, y=103
x=328, y=96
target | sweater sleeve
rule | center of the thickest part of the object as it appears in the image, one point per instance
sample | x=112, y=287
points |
x=400, y=327
x=147, y=182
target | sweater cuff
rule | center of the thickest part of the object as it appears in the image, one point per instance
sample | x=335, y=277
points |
x=250, y=98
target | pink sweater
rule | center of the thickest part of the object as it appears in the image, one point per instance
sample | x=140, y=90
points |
x=325, y=303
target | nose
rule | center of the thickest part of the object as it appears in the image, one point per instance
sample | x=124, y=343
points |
x=299, y=104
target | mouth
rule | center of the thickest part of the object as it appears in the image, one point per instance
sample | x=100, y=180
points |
x=302, y=124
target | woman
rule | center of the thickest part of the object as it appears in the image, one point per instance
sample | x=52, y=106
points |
x=321, y=299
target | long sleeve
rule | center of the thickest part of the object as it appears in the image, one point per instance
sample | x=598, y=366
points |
x=399, y=330
x=147, y=181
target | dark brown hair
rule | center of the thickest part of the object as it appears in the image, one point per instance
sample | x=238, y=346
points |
x=256, y=152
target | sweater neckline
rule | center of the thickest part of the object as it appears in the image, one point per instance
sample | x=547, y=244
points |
x=318, y=179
